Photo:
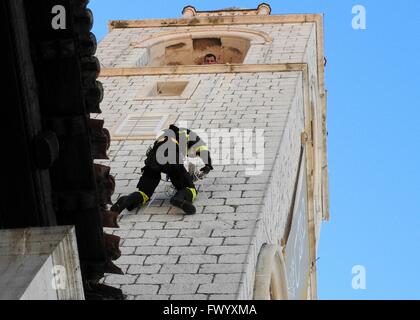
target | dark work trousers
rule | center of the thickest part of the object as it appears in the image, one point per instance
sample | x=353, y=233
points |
x=151, y=177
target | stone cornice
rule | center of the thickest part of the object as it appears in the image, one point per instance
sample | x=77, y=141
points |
x=202, y=69
x=222, y=20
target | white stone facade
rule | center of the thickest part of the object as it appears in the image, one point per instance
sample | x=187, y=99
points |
x=213, y=254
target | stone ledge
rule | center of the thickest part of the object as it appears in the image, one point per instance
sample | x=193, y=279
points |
x=205, y=69
x=214, y=21
x=29, y=258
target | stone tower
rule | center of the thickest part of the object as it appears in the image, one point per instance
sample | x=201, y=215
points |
x=262, y=111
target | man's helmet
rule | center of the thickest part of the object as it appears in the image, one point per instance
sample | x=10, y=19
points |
x=160, y=134
x=166, y=132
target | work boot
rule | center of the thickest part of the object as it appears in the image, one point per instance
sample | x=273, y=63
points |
x=119, y=205
x=183, y=199
x=129, y=202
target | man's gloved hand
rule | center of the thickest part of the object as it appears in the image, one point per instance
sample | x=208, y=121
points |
x=206, y=169
x=133, y=200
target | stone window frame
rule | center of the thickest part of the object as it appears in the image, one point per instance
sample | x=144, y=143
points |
x=144, y=93
x=164, y=122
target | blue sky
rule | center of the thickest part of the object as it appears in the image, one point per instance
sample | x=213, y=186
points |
x=372, y=78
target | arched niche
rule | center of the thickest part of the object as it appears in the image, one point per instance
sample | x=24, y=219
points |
x=229, y=45
x=270, y=276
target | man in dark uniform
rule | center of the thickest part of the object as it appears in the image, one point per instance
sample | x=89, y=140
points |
x=167, y=156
